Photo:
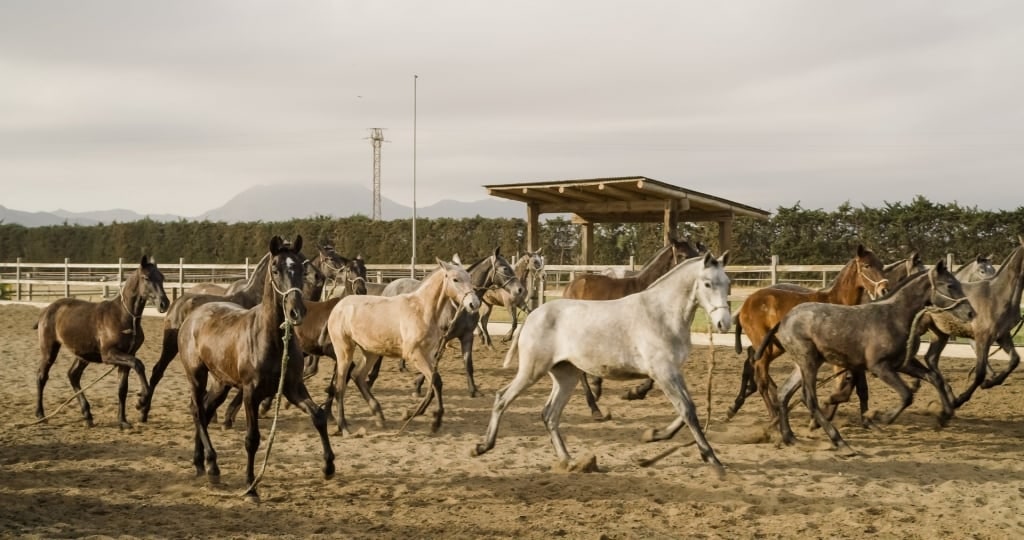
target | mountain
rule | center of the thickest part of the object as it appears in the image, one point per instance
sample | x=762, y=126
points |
x=282, y=202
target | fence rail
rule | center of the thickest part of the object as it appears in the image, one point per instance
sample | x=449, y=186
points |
x=29, y=281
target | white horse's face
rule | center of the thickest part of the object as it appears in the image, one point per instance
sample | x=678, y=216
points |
x=712, y=289
x=459, y=286
x=536, y=261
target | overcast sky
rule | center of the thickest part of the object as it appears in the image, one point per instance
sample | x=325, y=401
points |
x=174, y=107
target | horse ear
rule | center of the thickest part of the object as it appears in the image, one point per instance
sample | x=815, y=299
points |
x=297, y=245
x=940, y=266
x=275, y=244
x=456, y=259
x=359, y=257
x=860, y=250
x=443, y=265
x=144, y=261
x=542, y=249
x=497, y=252
x=724, y=258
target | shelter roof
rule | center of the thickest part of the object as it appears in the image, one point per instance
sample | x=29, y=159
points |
x=627, y=199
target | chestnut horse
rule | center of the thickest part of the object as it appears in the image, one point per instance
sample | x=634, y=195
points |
x=603, y=287
x=766, y=307
x=245, y=349
x=109, y=332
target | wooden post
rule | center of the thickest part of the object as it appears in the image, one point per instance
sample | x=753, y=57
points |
x=588, y=243
x=671, y=221
x=774, y=269
x=949, y=262
x=181, y=277
x=532, y=227
x=247, y=268
x=67, y=277
x=724, y=236
x=17, y=278
x=632, y=262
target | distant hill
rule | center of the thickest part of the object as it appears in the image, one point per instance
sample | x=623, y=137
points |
x=283, y=203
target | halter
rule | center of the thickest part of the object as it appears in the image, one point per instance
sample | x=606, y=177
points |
x=493, y=276
x=874, y=284
x=285, y=293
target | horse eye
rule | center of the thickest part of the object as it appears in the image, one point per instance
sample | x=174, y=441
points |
x=707, y=284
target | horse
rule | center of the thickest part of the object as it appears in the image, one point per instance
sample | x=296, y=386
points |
x=108, y=331
x=861, y=276
x=208, y=288
x=898, y=271
x=874, y=337
x=333, y=266
x=602, y=287
x=489, y=274
x=529, y=268
x=248, y=295
x=243, y=348
x=403, y=326
x=997, y=303
x=570, y=337
x=977, y=270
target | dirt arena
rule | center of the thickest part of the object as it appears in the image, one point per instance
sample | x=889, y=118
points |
x=910, y=480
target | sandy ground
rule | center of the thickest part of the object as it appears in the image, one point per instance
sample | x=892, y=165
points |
x=909, y=480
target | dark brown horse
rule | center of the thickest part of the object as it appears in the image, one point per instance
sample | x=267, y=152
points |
x=766, y=307
x=528, y=270
x=603, y=287
x=244, y=348
x=897, y=271
x=868, y=337
x=109, y=332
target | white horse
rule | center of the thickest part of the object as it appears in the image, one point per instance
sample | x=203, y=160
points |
x=404, y=326
x=646, y=334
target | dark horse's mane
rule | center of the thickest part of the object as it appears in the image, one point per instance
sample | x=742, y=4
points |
x=901, y=284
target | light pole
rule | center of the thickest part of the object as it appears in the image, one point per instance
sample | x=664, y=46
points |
x=412, y=270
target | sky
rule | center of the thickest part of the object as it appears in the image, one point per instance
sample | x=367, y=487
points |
x=174, y=107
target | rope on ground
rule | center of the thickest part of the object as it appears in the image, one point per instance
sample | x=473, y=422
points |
x=287, y=327
x=65, y=404
x=711, y=367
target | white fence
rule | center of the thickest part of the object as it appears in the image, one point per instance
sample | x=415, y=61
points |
x=28, y=281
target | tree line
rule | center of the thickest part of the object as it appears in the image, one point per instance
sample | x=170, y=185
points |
x=797, y=235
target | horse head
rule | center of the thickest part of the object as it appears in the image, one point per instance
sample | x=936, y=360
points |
x=870, y=273
x=947, y=293
x=458, y=286
x=983, y=267
x=503, y=276
x=287, y=276
x=354, y=275
x=536, y=261
x=151, y=284
x=712, y=290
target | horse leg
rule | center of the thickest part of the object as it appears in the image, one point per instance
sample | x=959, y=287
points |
x=168, y=350
x=122, y=395
x=375, y=371
x=232, y=411
x=49, y=349
x=524, y=379
x=747, y=385
x=860, y=383
x=485, y=316
x=563, y=381
x=809, y=373
x=595, y=411
x=765, y=385
x=252, y=438
x=467, y=359
x=919, y=371
x=312, y=366
x=124, y=360
x=889, y=376
x=358, y=375
x=75, y=377
x=204, y=457
x=640, y=391
x=786, y=393
x=297, y=394
x=597, y=384
x=844, y=387
x=673, y=385
x=1006, y=343
x=514, y=312
x=980, y=369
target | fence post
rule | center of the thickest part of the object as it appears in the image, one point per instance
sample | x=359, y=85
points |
x=949, y=261
x=775, y=269
x=67, y=277
x=824, y=279
x=380, y=276
x=181, y=277
x=632, y=262
x=247, y=268
x=17, y=278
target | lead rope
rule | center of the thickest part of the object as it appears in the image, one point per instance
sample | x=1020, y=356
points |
x=711, y=367
x=287, y=327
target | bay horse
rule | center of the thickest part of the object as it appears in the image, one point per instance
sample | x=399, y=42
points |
x=861, y=276
x=866, y=337
x=244, y=348
x=489, y=274
x=570, y=337
x=208, y=288
x=108, y=332
x=404, y=326
x=603, y=287
x=529, y=270
x=333, y=266
x=997, y=303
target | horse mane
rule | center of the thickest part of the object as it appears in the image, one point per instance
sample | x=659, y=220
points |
x=673, y=270
x=903, y=283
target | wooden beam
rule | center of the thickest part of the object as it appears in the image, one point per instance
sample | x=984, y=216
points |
x=692, y=215
x=508, y=195
x=537, y=195
x=581, y=195
x=658, y=191
x=616, y=191
x=603, y=207
x=646, y=217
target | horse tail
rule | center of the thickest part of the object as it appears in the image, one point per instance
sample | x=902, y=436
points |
x=769, y=339
x=513, y=350
x=739, y=334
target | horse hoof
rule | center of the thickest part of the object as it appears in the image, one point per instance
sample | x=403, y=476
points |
x=89, y=423
x=252, y=497
x=478, y=450
x=650, y=435
x=379, y=422
x=125, y=425
x=329, y=471
x=729, y=413
x=598, y=416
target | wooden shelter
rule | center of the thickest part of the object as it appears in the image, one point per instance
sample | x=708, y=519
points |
x=628, y=199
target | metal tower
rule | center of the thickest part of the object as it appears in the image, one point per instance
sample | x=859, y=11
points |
x=376, y=138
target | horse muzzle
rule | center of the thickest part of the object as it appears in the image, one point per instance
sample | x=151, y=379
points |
x=163, y=304
x=471, y=302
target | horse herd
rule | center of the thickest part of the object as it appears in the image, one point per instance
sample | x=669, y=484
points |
x=263, y=336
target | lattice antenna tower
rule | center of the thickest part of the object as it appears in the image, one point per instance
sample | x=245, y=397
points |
x=377, y=140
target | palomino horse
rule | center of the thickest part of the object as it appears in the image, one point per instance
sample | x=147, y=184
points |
x=403, y=326
x=243, y=348
x=109, y=332
x=867, y=337
x=997, y=303
x=491, y=273
x=570, y=337
x=766, y=307
x=529, y=269
x=602, y=287
x=979, y=269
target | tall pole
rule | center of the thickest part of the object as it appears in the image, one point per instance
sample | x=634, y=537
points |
x=412, y=270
